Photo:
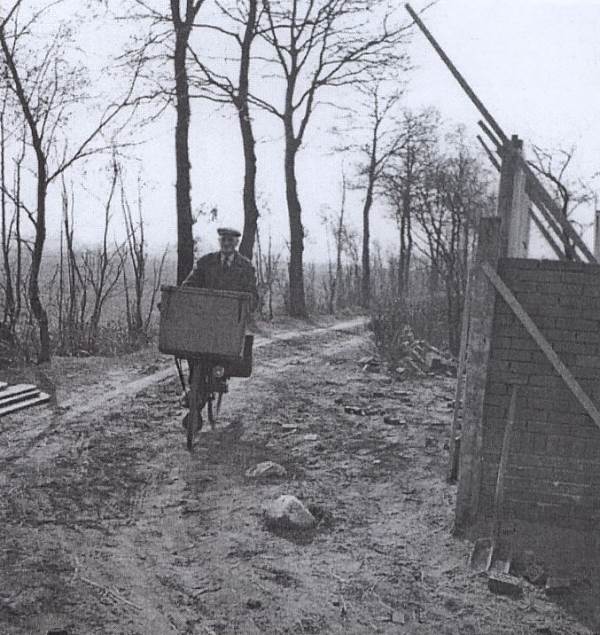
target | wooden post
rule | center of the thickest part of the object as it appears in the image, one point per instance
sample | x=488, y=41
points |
x=597, y=236
x=459, y=393
x=513, y=203
x=483, y=298
x=520, y=220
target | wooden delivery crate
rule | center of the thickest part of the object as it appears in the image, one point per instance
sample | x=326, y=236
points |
x=197, y=322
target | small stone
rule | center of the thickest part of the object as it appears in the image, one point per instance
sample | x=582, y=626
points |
x=266, y=469
x=393, y=421
x=287, y=512
x=310, y=437
x=254, y=604
x=353, y=410
x=398, y=618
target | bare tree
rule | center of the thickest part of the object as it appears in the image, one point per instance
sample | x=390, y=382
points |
x=183, y=22
x=86, y=279
x=376, y=119
x=554, y=166
x=450, y=197
x=102, y=266
x=6, y=228
x=336, y=228
x=418, y=133
x=318, y=45
x=46, y=90
x=138, y=315
x=170, y=24
x=245, y=15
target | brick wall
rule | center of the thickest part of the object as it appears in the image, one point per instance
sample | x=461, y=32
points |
x=554, y=468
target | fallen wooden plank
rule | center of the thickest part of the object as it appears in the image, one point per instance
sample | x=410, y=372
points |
x=28, y=403
x=15, y=397
x=16, y=390
x=559, y=366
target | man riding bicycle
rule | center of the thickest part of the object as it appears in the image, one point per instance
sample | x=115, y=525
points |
x=225, y=270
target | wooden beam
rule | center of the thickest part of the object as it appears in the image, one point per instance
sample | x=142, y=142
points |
x=538, y=190
x=597, y=236
x=543, y=201
x=503, y=465
x=460, y=383
x=513, y=207
x=552, y=224
x=457, y=75
x=483, y=298
x=540, y=196
x=491, y=136
x=489, y=153
x=547, y=235
x=27, y=403
x=507, y=295
x=519, y=228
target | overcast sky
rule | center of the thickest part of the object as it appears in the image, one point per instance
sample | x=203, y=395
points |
x=535, y=63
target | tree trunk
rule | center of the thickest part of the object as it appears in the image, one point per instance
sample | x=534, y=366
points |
x=185, y=237
x=248, y=140
x=9, y=308
x=366, y=248
x=36, y=260
x=297, y=307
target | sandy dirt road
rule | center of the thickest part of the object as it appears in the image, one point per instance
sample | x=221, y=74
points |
x=110, y=526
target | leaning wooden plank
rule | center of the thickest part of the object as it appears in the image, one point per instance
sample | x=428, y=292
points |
x=543, y=201
x=539, y=193
x=35, y=401
x=567, y=376
x=483, y=298
x=547, y=235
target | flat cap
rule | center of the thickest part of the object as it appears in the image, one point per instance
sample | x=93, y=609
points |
x=228, y=231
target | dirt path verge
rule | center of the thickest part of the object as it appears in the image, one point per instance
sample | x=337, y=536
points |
x=110, y=526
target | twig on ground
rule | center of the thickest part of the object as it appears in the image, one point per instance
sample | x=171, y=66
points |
x=109, y=591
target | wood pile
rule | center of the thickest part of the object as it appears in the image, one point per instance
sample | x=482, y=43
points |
x=418, y=358
x=19, y=397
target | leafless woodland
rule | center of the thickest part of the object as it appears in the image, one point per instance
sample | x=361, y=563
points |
x=351, y=56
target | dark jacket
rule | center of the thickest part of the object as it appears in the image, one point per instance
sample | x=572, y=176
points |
x=210, y=273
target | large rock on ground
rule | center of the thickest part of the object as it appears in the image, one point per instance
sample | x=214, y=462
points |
x=266, y=469
x=287, y=512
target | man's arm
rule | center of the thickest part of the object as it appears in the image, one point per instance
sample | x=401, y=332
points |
x=196, y=276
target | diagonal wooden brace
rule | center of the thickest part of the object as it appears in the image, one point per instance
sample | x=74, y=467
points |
x=559, y=366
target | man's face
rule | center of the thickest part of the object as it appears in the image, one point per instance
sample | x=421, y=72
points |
x=228, y=244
